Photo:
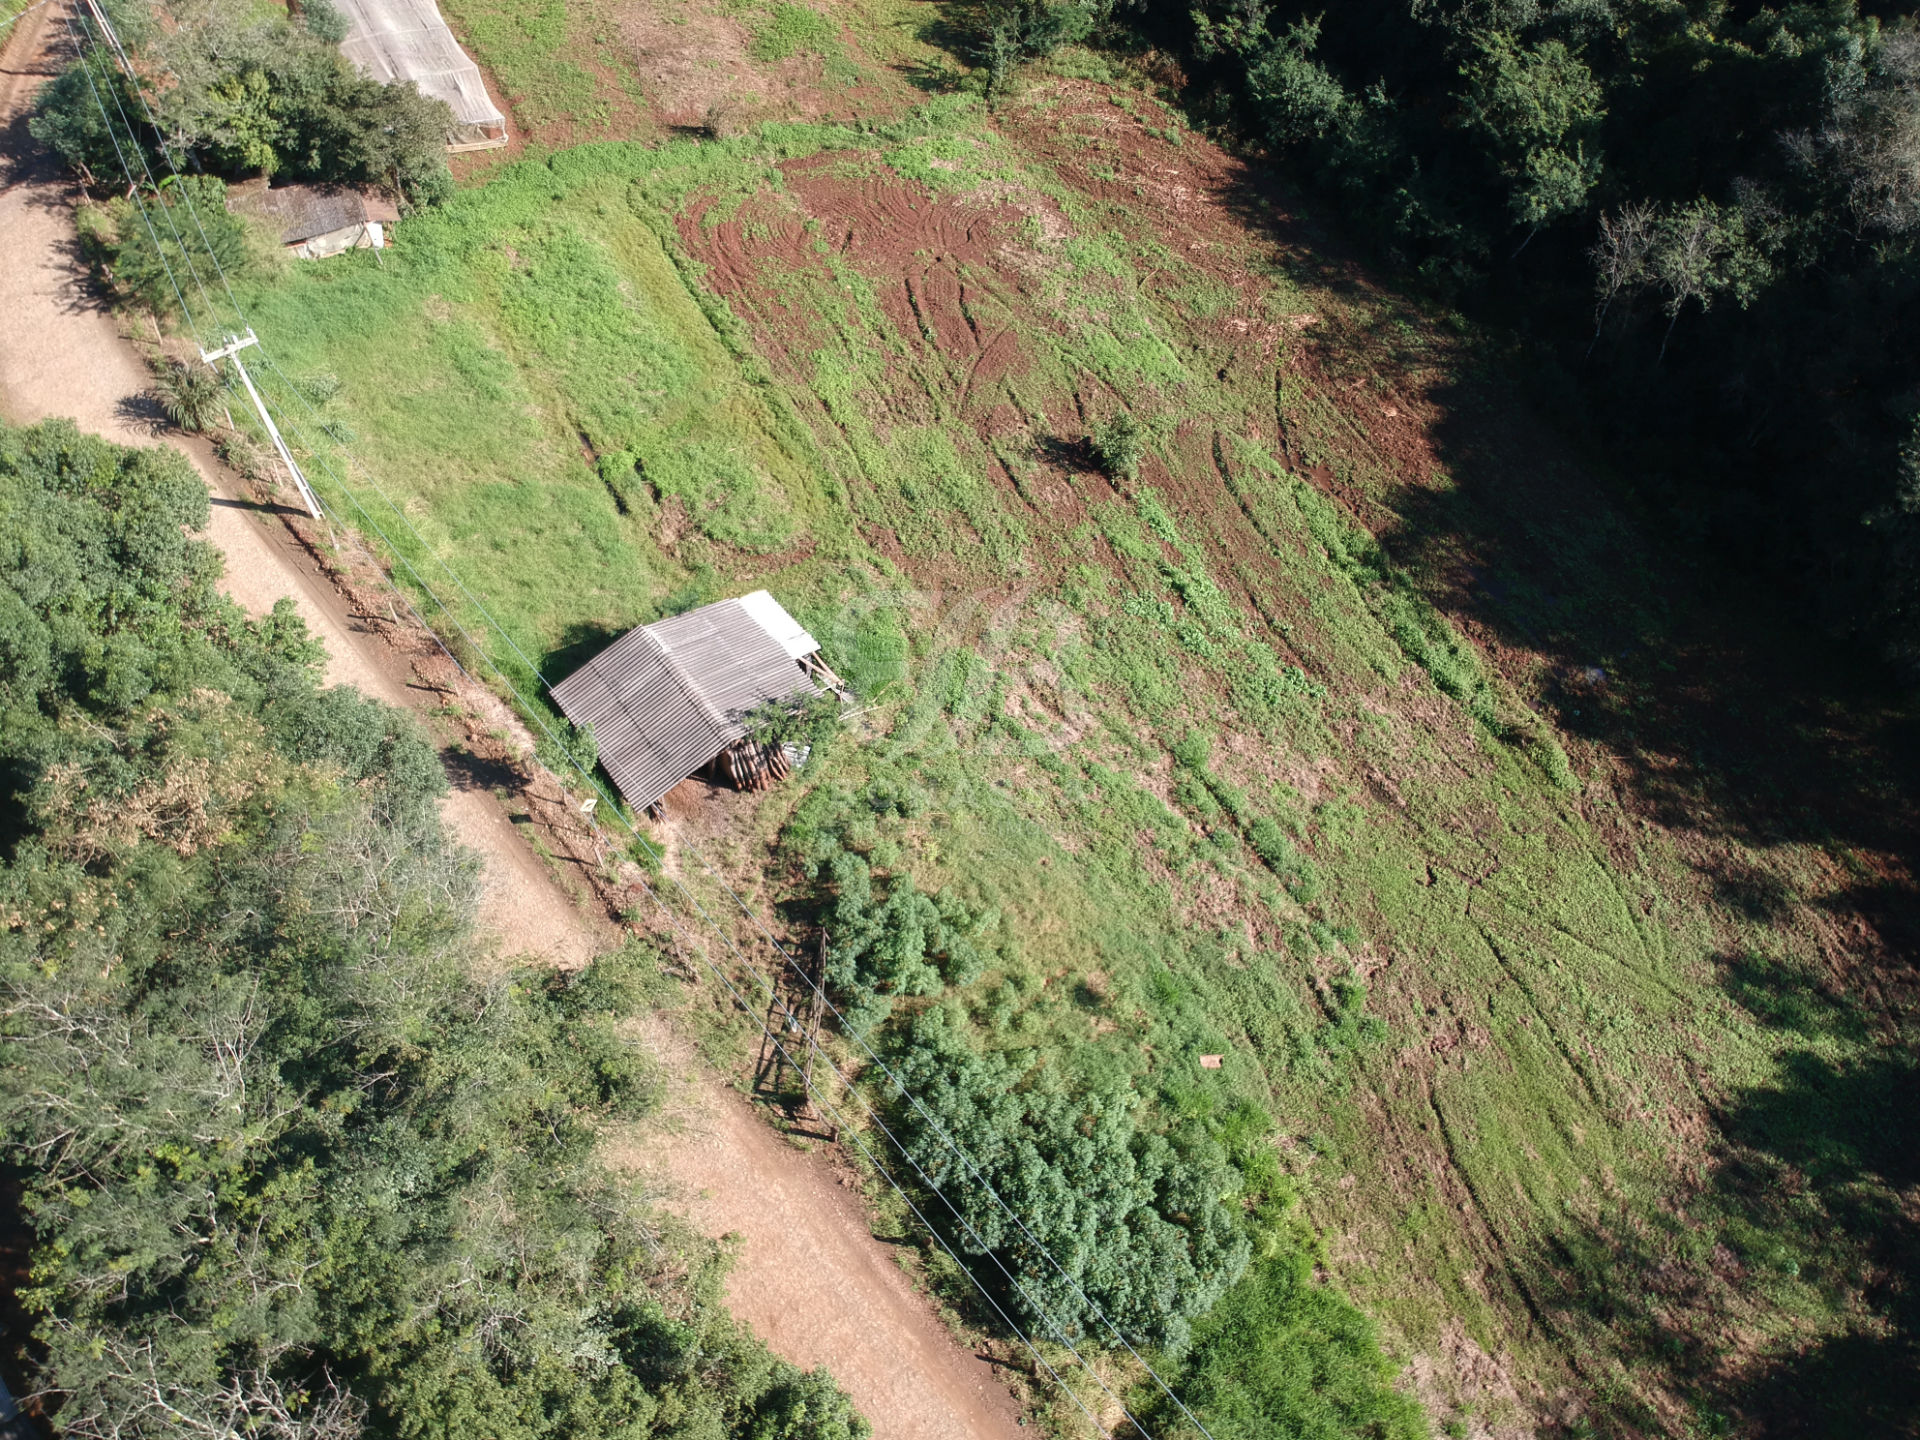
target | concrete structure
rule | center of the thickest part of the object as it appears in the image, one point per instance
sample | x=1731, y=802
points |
x=317, y=220
x=669, y=699
x=400, y=40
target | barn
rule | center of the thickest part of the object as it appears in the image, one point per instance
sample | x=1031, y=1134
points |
x=670, y=699
x=314, y=221
x=401, y=40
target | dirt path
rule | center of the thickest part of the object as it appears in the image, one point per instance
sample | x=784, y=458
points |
x=810, y=1278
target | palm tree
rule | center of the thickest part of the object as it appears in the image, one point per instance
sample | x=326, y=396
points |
x=191, y=394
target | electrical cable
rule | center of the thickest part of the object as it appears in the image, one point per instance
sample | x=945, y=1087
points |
x=799, y=970
x=166, y=210
x=739, y=1000
x=926, y=1116
x=160, y=136
x=872, y=1115
x=133, y=188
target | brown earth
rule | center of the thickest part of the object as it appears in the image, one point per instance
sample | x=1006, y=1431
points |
x=809, y=1277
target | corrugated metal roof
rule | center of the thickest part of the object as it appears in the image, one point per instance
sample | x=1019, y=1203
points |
x=773, y=618
x=407, y=40
x=304, y=211
x=664, y=699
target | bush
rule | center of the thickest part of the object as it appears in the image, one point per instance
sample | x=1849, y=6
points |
x=190, y=393
x=324, y=21
x=1281, y=1355
x=1136, y=1220
x=1118, y=444
x=157, y=241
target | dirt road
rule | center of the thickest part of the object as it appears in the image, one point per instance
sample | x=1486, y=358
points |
x=810, y=1278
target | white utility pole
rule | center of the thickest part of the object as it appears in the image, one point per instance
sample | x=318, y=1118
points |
x=231, y=351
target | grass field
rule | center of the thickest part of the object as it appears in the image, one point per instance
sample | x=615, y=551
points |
x=1577, y=1120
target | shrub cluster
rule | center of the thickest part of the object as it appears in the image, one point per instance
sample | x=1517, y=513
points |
x=247, y=93
x=1137, y=1220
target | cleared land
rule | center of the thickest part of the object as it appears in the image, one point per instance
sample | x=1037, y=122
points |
x=1362, y=739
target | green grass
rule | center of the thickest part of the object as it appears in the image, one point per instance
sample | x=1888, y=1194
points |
x=1229, y=780
x=786, y=30
x=532, y=53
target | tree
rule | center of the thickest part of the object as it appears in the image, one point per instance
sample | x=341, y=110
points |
x=1539, y=110
x=251, y=95
x=1619, y=257
x=1299, y=99
x=243, y=127
x=70, y=117
x=1872, y=136
x=160, y=240
x=293, y=1171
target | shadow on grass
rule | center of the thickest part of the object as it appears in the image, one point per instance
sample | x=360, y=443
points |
x=579, y=643
x=1728, y=716
x=1805, y=1213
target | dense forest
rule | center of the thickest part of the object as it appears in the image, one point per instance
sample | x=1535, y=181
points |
x=293, y=1170
x=1699, y=220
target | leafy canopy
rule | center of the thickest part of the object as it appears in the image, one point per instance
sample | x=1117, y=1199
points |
x=292, y=1170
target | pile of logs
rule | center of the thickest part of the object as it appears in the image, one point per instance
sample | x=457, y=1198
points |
x=749, y=765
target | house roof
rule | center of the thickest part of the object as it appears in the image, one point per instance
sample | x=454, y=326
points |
x=303, y=212
x=407, y=40
x=665, y=698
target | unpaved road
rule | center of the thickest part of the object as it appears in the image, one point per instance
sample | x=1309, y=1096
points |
x=810, y=1278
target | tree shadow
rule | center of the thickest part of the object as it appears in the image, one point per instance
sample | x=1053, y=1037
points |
x=1807, y=1215
x=1734, y=711
x=18, y=1357
x=1724, y=712
x=467, y=771
x=143, y=412
x=579, y=643
x=1074, y=456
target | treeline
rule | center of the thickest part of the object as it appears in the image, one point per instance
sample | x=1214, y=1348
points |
x=231, y=91
x=292, y=1167
x=1701, y=217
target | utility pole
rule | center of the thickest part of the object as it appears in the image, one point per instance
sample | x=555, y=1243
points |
x=231, y=351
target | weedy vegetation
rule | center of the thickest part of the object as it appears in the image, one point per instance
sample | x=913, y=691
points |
x=1276, y=945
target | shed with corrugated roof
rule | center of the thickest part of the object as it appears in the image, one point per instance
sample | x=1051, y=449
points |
x=314, y=221
x=669, y=699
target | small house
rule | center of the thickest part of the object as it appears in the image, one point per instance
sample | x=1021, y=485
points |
x=315, y=221
x=397, y=41
x=671, y=699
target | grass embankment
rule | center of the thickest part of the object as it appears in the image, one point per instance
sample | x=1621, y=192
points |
x=1201, y=770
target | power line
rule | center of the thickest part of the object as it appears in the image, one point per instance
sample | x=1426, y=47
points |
x=134, y=140
x=906, y=1094
x=160, y=136
x=132, y=187
x=530, y=709
x=798, y=969
x=872, y=1116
